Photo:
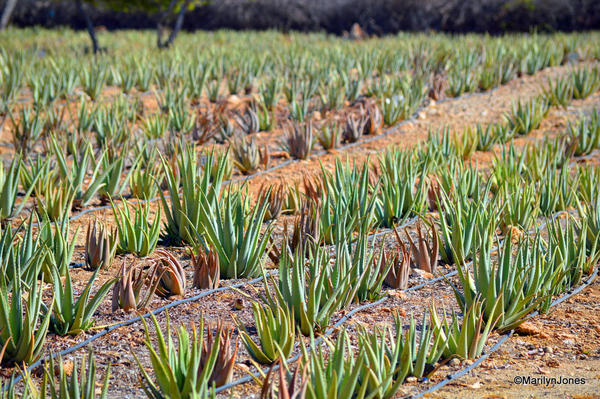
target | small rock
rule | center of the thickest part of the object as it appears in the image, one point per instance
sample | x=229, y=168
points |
x=411, y=379
x=234, y=100
x=421, y=273
x=67, y=367
x=476, y=385
x=238, y=304
x=454, y=362
x=422, y=115
x=553, y=363
x=568, y=342
x=548, y=349
x=432, y=103
x=528, y=329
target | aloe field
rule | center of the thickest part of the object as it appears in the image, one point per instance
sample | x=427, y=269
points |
x=287, y=215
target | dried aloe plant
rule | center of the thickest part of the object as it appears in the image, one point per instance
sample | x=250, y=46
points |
x=247, y=156
x=172, y=280
x=306, y=228
x=100, y=246
x=207, y=271
x=425, y=257
x=355, y=128
x=299, y=140
x=395, y=266
x=225, y=355
x=274, y=196
x=373, y=120
x=134, y=287
x=292, y=387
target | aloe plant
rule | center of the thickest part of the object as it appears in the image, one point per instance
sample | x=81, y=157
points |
x=486, y=138
x=402, y=188
x=55, y=199
x=348, y=203
x=23, y=324
x=458, y=223
x=70, y=316
x=463, y=339
x=28, y=130
x=21, y=255
x=559, y=92
x=59, y=246
x=527, y=116
x=75, y=384
x=335, y=376
x=276, y=331
x=198, y=187
x=466, y=143
x=36, y=172
x=555, y=191
x=589, y=212
x=585, y=81
x=78, y=172
x=520, y=207
x=9, y=188
x=511, y=289
x=584, y=135
x=136, y=234
x=143, y=180
x=330, y=135
x=116, y=179
x=388, y=360
x=573, y=251
x=234, y=234
x=181, y=371
x=311, y=297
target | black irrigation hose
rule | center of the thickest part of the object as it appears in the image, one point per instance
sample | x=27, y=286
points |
x=330, y=330
x=387, y=132
x=133, y=320
x=484, y=356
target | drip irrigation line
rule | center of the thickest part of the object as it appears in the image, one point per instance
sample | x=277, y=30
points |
x=343, y=319
x=133, y=320
x=387, y=132
x=502, y=340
